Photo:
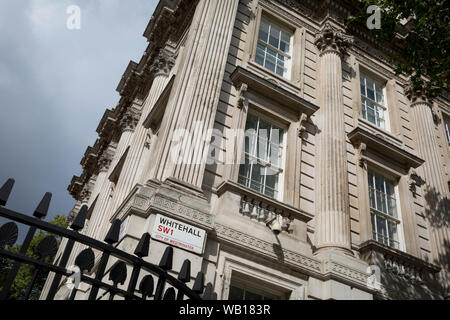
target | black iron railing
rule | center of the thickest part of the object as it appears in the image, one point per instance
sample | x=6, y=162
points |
x=47, y=248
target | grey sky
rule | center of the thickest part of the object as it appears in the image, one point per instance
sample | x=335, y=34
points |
x=55, y=84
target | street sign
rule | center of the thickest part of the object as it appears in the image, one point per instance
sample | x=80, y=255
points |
x=179, y=234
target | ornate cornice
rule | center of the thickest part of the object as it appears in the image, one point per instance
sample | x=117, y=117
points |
x=332, y=39
x=107, y=125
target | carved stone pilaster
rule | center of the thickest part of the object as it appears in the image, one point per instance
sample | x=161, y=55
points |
x=433, y=173
x=333, y=227
x=332, y=39
x=129, y=120
x=162, y=64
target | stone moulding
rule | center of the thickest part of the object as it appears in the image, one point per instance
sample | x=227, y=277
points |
x=265, y=248
x=177, y=210
x=384, y=147
x=266, y=88
x=323, y=270
x=143, y=201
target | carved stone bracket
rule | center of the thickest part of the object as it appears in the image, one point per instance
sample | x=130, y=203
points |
x=242, y=100
x=332, y=39
x=303, y=121
x=361, y=147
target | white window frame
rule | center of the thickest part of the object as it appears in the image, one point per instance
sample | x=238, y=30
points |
x=282, y=167
x=289, y=55
x=385, y=107
x=398, y=219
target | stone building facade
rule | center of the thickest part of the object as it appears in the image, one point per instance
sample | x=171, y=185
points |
x=315, y=171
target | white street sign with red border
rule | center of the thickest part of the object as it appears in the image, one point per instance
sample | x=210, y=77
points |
x=179, y=234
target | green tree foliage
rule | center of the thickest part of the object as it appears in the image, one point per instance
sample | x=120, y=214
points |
x=26, y=272
x=423, y=52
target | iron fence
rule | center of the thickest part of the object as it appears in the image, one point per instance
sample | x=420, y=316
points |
x=177, y=288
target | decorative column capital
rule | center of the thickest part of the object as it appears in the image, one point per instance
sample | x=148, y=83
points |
x=332, y=39
x=105, y=160
x=85, y=194
x=162, y=64
x=129, y=120
x=417, y=94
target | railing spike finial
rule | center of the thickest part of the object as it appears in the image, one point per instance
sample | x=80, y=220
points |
x=42, y=209
x=143, y=246
x=9, y=233
x=170, y=294
x=80, y=219
x=85, y=260
x=114, y=232
x=118, y=273
x=199, y=283
x=185, y=272
x=146, y=286
x=5, y=191
x=167, y=259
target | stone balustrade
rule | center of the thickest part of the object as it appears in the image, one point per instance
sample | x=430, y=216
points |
x=264, y=211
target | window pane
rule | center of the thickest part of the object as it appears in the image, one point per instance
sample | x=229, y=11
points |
x=236, y=293
x=271, y=181
x=257, y=176
x=363, y=86
x=374, y=230
x=264, y=31
x=252, y=296
x=274, y=38
x=364, y=110
x=382, y=230
x=370, y=112
x=380, y=97
x=285, y=42
x=370, y=90
x=260, y=54
x=244, y=170
x=279, y=41
x=393, y=235
x=275, y=155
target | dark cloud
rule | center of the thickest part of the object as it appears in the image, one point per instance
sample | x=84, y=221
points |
x=55, y=84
